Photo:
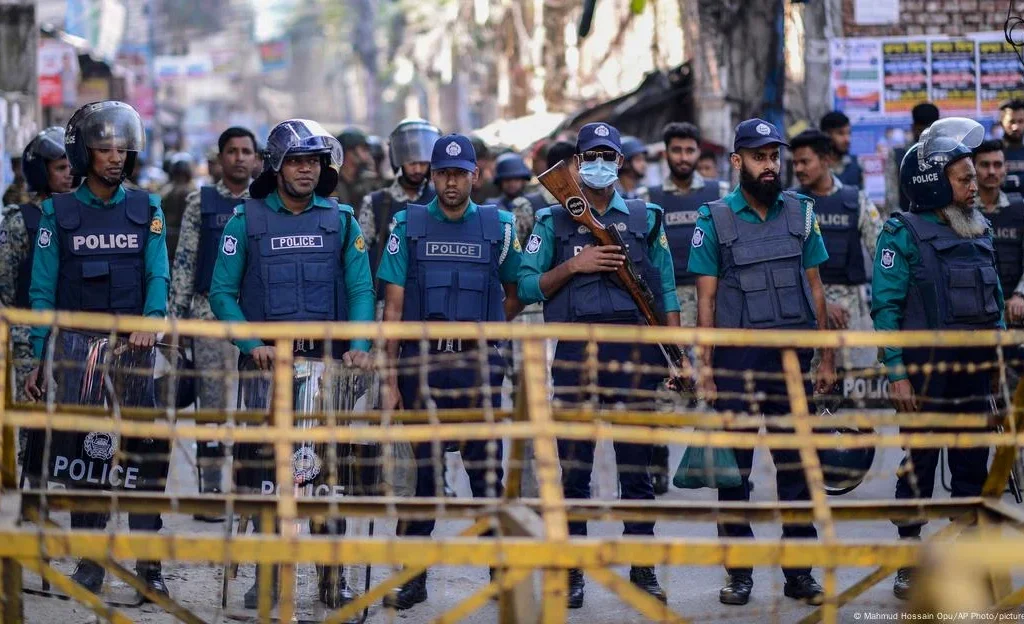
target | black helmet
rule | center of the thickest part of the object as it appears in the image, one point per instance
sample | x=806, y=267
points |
x=923, y=170
x=297, y=137
x=511, y=166
x=351, y=138
x=104, y=125
x=845, y=468
x=45, y=147
x=412, y=140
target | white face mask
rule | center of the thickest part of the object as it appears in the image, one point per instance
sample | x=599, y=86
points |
x=599, y=174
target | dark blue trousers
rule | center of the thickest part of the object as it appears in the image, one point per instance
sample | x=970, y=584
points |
x=763, y=393
x=571, y=374
x=453, y=381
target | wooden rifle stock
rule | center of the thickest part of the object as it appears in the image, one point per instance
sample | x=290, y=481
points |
x=561, y=182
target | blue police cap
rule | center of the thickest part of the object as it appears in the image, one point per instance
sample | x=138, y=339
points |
x=598, y=135
x=453, y=151
x=755, y=133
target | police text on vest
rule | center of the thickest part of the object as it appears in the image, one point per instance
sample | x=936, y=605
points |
x=455, y=250
x=105, y=241
x=310, y=241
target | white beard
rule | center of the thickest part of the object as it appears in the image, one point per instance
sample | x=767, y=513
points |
x=966, y=224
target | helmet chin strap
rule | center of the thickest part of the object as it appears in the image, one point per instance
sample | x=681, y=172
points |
x=289, y=189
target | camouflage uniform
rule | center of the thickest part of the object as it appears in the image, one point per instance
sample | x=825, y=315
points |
x=17, y=193
x=216, y=356
x=687, y=294
x=352, y=193
x=14, y=248
x=368, y=221
x=856, y=298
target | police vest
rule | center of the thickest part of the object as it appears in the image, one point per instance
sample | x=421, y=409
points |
x=215, y=212
x=600, y=297
x=954, y=284
x=851, y=174
x=102, y=253
x=761, y=279
x=680, y=220
x=898, y=154
x=1014, y=159
x=452, y=273
x=838, y=215
x=1007, y=230
x=384, y=210
x=293, y=266
x=31, y=214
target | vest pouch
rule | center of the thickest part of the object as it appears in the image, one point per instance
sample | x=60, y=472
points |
x=838, y=252
x=126, y=286
x=317, y=286
x=756, y=298
x=989, y=279
x=586, y=295
x=281, y=281
x=437, y=291
x=95, y=285
x=789, y=290
x=472, y=299
x=965, y=288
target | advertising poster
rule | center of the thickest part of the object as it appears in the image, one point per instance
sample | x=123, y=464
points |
x=999, y=74
x=905, y=70
x=954, y=78
x=857, y=76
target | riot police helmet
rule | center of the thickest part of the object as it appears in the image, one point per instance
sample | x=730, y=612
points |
x=844, y=469
x=411, y=141
x=104, y=125
x=298, y=137
x=45, y=147
x=923, y=170
x=511, y=166
x=632, y=146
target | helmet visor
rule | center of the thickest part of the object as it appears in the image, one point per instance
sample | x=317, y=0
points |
x=296, y=137
x=49, y=144
x=114, y=128
x=413, y=143
x=949, y=137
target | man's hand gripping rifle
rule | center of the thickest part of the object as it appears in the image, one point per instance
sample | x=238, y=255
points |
x=562, y=184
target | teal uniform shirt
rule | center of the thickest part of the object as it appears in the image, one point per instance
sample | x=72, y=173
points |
x=46, y=261
x=704, y=244
x=538, y=258
x=229, y=270
x=395, y=262
x=890, y=284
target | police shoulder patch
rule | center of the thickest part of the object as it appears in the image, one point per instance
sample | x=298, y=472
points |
x=44, y=237
x=887, y=258
x=663, y=240
x=156, y=226
x=892, y=225
x=230, y=246
x=393, y=244
x=698, y=238
x=516, y=245
x=533, y=244
x=360, y=244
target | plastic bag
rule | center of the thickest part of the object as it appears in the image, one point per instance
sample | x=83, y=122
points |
x=702, y=467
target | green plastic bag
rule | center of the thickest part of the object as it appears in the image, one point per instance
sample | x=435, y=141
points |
x=703, y=467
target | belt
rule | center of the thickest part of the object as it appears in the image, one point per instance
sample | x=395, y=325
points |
x=454, y=345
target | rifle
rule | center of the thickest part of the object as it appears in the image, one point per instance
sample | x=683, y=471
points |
x=561, y=182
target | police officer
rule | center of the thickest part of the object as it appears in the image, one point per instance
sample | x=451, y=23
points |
x=47, y=172
x=208, y=210
x=565, y=269
x=850, y=225
x=314, y=247
x=450, y=260
x=633, y=170
x=836, y=126
x=102, y=248
x=174, y=196
x=757, y=253
x=485, y=185
x=936, y=270
x=1006, y=213
x=358, y=177
x=512, y=176
x=923, y=115
x=409, y=149
x=1011, y=120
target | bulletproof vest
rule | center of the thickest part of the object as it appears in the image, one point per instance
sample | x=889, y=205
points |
x=601, y=297
x=761, y=279
x=452, y=273
x=954, y=284
x=102, y=253
x=680, y=221
x=384, y=210
x=1007, y=230
x=898, y=154
x=215, y=212
x=293, y=269
x=1014, y=160
x=838, y=215
x=851, y=173
x=31, y=214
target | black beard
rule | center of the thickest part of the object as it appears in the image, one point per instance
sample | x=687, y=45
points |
x=764, y=192
x=684, y=172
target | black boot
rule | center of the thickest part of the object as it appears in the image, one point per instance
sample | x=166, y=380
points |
x=803, y=587
x=659, y=469
x=737, y=590
x=408, y=595
x=645, y=579
x=151, y=574
x=89, y=575
x=252, y=596
x=901, y=586
x=575, y=588
x=217, y=517
x=334, y=591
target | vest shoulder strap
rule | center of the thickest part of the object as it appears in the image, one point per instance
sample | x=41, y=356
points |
x=657, y=194
x=67, y=208
x=415, y=221
x=256, y=217
x=725, y=222
x=330, y=218
x=490, y=223
x=564, y=225
x=1016, y=201
x=31, y=214
x=796, y=215
x=918, y=227
x=137, y=206
x=637, y=217
x=850, y=196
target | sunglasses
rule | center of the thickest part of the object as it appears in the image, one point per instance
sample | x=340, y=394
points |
x=607, y=155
